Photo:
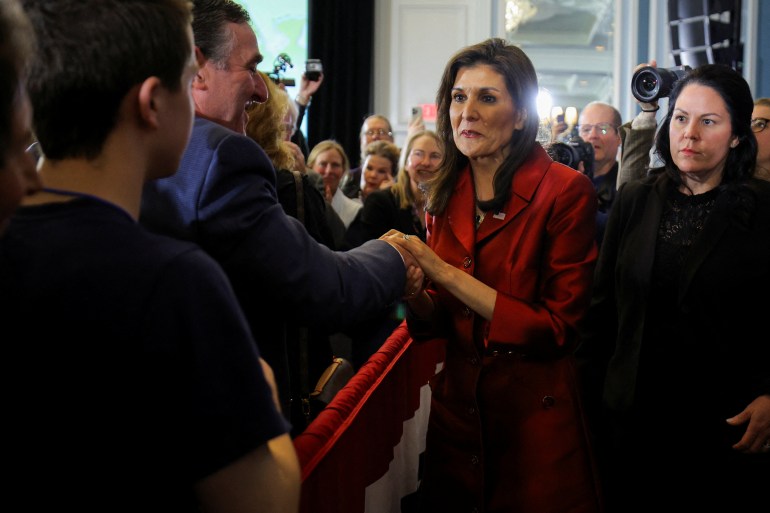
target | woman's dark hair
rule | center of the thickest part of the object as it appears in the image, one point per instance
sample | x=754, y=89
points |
x=521, y=81
x=735, y=92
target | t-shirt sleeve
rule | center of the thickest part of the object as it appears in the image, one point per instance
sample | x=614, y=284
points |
x=205, y=363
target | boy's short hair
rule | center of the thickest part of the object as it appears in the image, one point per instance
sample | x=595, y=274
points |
x=90, y=54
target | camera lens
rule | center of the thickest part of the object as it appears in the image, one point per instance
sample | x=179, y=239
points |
x=645, y=85
x=648, y=84
x=563, y=153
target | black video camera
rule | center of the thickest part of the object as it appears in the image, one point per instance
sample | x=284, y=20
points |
x=649, y=84
x=573, y=152
x=279, y=67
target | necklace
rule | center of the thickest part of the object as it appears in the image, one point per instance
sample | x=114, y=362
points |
x=480, y=214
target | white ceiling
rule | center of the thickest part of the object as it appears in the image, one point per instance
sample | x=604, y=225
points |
x=570, y=43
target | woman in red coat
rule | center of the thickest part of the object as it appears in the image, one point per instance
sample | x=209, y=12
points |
x=510, y=257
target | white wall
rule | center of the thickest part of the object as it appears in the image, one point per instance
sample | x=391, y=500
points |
x=413, y=40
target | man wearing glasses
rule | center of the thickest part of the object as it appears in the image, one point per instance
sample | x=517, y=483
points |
x=375, y=128
x=598, y=126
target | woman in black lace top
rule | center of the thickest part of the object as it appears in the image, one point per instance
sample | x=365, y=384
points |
x=676, y=341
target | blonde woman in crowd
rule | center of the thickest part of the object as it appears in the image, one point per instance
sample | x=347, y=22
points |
x=269, y=125
x=401, y=205
x=328, y=159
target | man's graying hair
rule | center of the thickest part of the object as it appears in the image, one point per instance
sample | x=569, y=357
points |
x=209, y=19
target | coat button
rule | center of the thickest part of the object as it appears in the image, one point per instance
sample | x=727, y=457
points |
x=471, y=410
x=474, y=361
x=467, y=262
x=467, y=312
x=548, y=401
x=475, y=460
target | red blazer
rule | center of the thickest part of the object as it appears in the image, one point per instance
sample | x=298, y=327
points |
x=506, y=431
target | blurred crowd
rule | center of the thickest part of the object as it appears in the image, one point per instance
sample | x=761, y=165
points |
x=178, y=268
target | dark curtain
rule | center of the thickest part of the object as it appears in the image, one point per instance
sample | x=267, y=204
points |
x=706, y=32
x=341, y=34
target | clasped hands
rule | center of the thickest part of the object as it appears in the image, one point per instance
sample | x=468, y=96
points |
x=421, y=262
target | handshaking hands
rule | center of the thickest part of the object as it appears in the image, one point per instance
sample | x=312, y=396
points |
x=414, y=274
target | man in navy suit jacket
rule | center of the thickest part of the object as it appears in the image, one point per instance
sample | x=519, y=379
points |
x=223, y=197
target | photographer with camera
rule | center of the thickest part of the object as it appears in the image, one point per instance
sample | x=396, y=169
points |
x=309, y=83
x=650, y=84
x=639, y=133
x=598, y=125
x=670, y=359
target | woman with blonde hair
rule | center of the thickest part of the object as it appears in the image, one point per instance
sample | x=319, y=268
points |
x=401, y=205
x=302, y=200
x=328, y=159
x=266, y=125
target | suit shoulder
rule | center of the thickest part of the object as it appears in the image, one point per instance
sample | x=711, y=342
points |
x=215, y=136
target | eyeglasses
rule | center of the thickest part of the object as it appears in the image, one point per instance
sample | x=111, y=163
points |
x=604, y=128
x=758, y=124
x=379, y=131
x=34, y=150
x=420, y=155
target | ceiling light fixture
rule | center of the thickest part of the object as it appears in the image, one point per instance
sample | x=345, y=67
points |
x=518, y=12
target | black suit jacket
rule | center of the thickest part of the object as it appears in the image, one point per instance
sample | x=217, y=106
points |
x=380, y=213
x=722, y=300
x=223, y=197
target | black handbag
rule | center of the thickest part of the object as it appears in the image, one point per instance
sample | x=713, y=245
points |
x=331, y=381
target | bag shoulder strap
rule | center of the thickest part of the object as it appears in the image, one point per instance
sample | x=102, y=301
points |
x=304, y=358
x=300, y=195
